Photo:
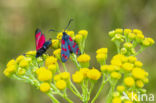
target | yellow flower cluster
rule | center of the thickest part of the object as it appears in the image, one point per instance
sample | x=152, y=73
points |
x=84, y=73
x=101, y=55
x=18, y=66
x=57, y=53
x=55, y=43
x=44, y=74
x=61, y=80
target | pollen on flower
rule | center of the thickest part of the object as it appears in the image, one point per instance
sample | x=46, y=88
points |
x=129, y=81
x=60, y=84
x=77, y=77
x=11, y=62
x=45, y=87
x=94, y=74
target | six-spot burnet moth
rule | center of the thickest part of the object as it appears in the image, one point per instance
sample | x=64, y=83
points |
x=41, y=44
x=68, y=45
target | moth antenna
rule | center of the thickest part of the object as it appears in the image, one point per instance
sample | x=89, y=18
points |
x=68, y=24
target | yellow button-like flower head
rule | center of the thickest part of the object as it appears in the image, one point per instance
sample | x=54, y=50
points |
x=78, y=77
x=55, y=43
x=44, y=87
x=94, y=74
x=84, y=33
x=116, y=75
x=120, y=88
x=127, y=66
x=139, y=83
x=138, y=73
x=102, y=51
x=61, y=84
x=129, y=81
x=50, y=60
x=117, y=100
x=44, y=74
x=65, y=75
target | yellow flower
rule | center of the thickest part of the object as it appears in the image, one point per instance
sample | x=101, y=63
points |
x=50, y=60
x=133, y=96
x=70, y=33
x=139, y=83
x=120, y=31
x=102, y=51
x=44, y=74
x=120, y=88
x=111, y=68
x=44, y=87
x=77, y=77
x=30, y=53
x=132, y=59
x=145, y=80
x=111, y=33
x=138, y=73
x=151, y=41
x=120, y=58
x=11, y=62
x=61, y=84
x=127, y=66
x=19, y=58
x=11, y=69
x=55, y=43
x=59, y=35
x=52, y=67
x=57, y=53
x=78, y=38
x=115, y=75
x=84, y=33
x=138, y=64
x=146, y=42
x=21, y=71
x=65, y=75
x=131, y=36
x=127, y=31
x=137, y=31
x=83, y=58
x=24, y=63
x=57, y=77
x=116, y=62
x=129, y=81
x=104, y=68
x=93, y=74
x=128, y=45
x=84, y=71
x=128, y=101
x=6, y=73
x=116, y=100
x=101, y=58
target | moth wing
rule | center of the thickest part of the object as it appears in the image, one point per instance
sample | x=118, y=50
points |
x=40, y=39
x=73, y=47
x=64, y=50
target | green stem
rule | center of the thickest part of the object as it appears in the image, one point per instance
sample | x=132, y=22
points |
x=73, y=86
x=100, y=89
x=75, y=93
x=64, y=66
x=117, y=43
x=139, y=51
x=53, y=98
x=109, y=98
x=75, y=61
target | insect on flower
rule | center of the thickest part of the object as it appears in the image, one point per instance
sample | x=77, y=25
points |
x=68, y=45
x=41, y=44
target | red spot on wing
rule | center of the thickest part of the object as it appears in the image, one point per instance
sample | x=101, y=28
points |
x=69, y=47
x=63, y=42
x=77, y=51
x=70, y=39
x=74, y=45
x=64, y=49
x=64, y=56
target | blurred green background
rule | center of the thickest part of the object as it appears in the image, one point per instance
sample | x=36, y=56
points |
x=20, y=18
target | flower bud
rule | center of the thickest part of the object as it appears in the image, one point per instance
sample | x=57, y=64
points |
x=84, y=33
x=45, y=87
x=61, y=84
x=84, y=60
